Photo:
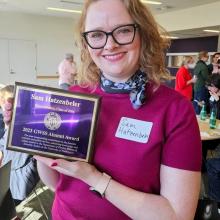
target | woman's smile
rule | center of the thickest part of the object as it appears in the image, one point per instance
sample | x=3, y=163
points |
x=114, y=57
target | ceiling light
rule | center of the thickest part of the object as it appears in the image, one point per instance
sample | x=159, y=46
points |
x=164, y=8
x=64, y=10
x=170, y=37
x=152, y=2
x=213, y=31
x=71, y=2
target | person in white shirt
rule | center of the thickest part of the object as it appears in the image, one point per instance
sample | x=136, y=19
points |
x=67, y=72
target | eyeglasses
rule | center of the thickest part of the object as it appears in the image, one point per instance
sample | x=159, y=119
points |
x=122, y=35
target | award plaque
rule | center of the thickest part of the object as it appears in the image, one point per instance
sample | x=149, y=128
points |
x=53, y=122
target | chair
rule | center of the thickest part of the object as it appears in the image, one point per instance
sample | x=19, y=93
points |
x=206, y=210
x=40, y=202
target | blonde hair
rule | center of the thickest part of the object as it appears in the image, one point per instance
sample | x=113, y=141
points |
x=7, y=92
x=153, y=45
x=203, y=54
x=186, y=60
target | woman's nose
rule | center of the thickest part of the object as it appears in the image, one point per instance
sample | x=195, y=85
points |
x=110, y=44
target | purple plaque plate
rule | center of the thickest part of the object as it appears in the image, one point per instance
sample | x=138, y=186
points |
x=53, y=122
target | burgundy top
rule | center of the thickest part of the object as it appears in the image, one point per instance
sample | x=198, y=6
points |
x=174, y=141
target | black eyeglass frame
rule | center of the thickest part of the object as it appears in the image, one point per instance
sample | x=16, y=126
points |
x=84, y=35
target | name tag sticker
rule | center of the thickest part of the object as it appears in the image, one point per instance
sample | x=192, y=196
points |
x=134, y=130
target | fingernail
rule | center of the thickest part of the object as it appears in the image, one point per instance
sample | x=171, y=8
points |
x=53, y=164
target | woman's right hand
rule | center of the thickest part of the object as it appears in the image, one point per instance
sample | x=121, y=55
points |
x=7, y=110
x=194, y=79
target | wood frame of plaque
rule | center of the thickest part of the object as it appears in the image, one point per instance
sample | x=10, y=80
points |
x=53, y=123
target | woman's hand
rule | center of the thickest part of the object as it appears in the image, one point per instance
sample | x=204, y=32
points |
x=77, y=169
x=194, y=79
x=7, y=110
x=191, y=81
x=215, y=95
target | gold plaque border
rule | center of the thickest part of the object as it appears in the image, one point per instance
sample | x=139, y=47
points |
x=44, y=89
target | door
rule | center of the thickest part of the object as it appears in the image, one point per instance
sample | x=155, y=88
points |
x=22, y=61
x=4, y=64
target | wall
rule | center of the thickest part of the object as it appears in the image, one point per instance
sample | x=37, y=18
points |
x=209, y=44
x=53, y=36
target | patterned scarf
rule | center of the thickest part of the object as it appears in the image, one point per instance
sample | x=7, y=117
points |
x=135, y=86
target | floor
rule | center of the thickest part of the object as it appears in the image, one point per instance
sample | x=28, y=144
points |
x=38, y=205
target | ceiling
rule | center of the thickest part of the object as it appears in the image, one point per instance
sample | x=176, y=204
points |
x=197, y=32
x=40, y=7
x=172, y=5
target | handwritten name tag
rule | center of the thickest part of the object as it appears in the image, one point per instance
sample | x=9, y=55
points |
x=134, y=130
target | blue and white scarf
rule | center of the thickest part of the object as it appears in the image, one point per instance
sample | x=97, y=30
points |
x=135, y=86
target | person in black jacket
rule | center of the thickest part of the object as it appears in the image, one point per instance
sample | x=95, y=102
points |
x=214, y=91
x=200, y=91
x=214, y=67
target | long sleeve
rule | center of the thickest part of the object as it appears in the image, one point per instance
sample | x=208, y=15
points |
x=181, y=80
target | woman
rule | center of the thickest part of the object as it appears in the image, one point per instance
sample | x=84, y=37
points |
x=214, y=67
x=214, y=91
x=123, y=61
x=213, y=164
x=23, y=175
x=184, y=79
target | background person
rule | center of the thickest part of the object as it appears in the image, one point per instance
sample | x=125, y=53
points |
x=2, y=124
x=1, y=157
x=123, y=62
x=5, y=93
x=213, y=164
x=201, y=72
x=214, y=67
x=67, y=72
x=24, y=175
x=184, y=80
x=214, y=91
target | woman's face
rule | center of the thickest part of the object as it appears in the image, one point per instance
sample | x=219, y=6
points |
x=190, y=64
x=117, y=62
x=213, y=89
x=215, y=59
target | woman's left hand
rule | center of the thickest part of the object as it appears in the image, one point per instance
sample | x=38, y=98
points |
x=77, y=169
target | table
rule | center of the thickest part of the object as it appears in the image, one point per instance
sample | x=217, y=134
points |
x=206, y=132
x=209, y=137
x=210, y=140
